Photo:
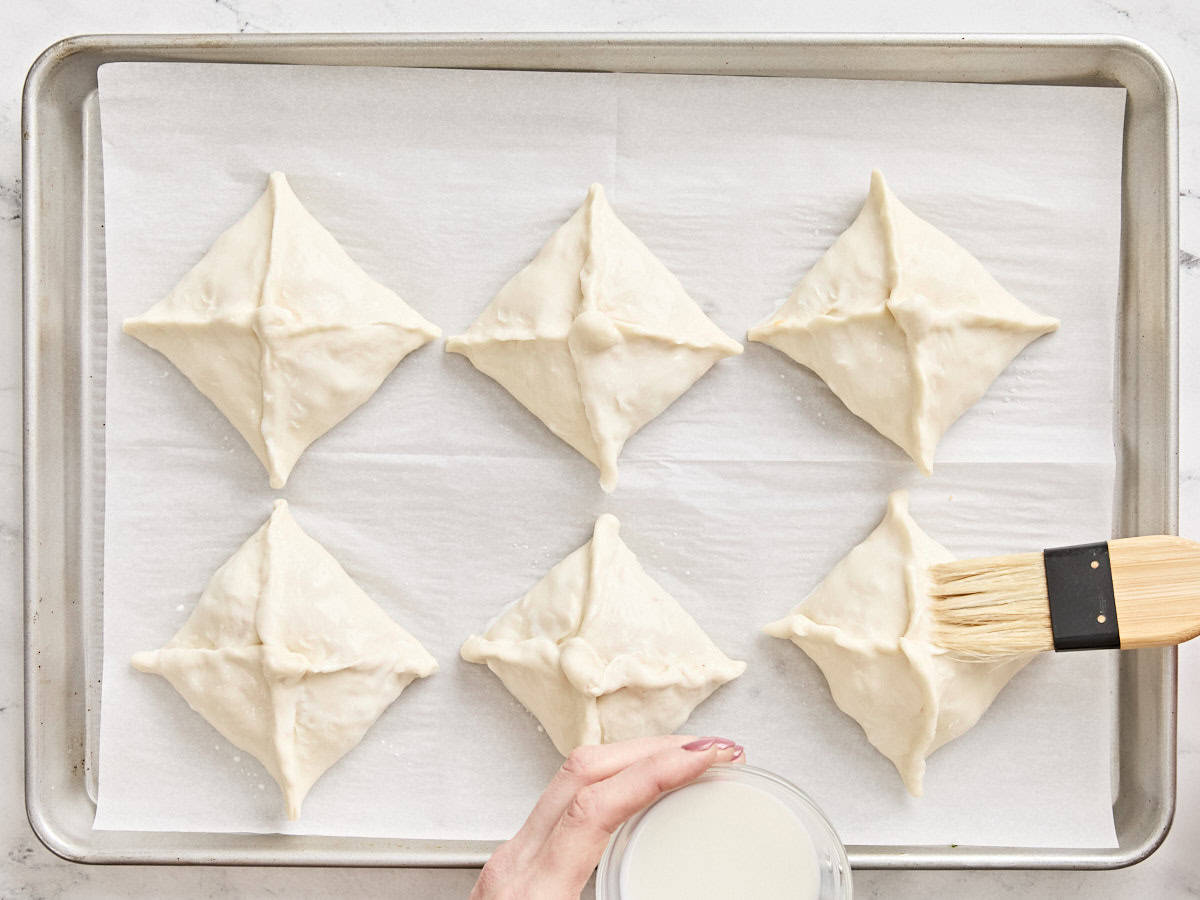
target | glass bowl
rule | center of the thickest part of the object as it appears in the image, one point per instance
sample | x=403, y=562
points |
x=833, y=868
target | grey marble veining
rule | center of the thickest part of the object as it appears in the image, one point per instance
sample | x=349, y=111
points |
x=1172, y=27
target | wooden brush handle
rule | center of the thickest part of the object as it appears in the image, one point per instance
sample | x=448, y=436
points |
x=1156, y=582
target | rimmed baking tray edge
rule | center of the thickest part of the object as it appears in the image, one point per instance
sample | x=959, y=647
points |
x=56, y=458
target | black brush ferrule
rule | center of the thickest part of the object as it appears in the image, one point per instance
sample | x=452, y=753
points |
x=1083, y=609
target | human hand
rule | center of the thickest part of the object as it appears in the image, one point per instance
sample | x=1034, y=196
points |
x=597, y=788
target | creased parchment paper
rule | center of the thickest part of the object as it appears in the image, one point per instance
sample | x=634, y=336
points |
x=445, y=499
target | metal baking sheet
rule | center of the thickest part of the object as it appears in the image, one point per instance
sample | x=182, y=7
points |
x=64, y=277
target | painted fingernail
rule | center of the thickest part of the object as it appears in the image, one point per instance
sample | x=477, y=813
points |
x=738, y=752
x=725, y=744
x=701, y=744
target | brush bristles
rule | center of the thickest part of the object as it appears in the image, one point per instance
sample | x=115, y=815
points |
x=985, y=608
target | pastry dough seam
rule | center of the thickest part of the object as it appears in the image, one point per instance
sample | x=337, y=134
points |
x=264, y=349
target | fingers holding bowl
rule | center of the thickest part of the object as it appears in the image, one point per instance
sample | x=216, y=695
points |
x=597, y=809
x=587, y=765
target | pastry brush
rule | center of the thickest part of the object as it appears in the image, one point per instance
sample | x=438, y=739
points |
x=1127, y=593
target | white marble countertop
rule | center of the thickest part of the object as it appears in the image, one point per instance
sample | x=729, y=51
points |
x=1171, y=27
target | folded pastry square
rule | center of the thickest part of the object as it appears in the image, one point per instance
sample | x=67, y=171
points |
x=866, y=627
x=595, y=336
x=903, y=324
x=599, y=652
x=287, y=657
x=281, y=330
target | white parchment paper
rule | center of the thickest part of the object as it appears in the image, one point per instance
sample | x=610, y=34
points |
x=445, y=499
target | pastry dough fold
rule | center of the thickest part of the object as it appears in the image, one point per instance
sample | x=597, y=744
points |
x=903, y=324
x=595, y=337
x=599, y=652
x=281, y=330
x=866, y=626
x=287, y=657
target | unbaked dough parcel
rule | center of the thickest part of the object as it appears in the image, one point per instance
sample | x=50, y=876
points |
x=903, y=324
x=280, y=329
x=866, y=627
x=595, y=336
x=287, y=657
x=599, y=652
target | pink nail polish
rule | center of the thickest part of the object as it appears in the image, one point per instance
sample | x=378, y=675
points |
x=738, y=752
x=725, y=744
x=701, y=744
